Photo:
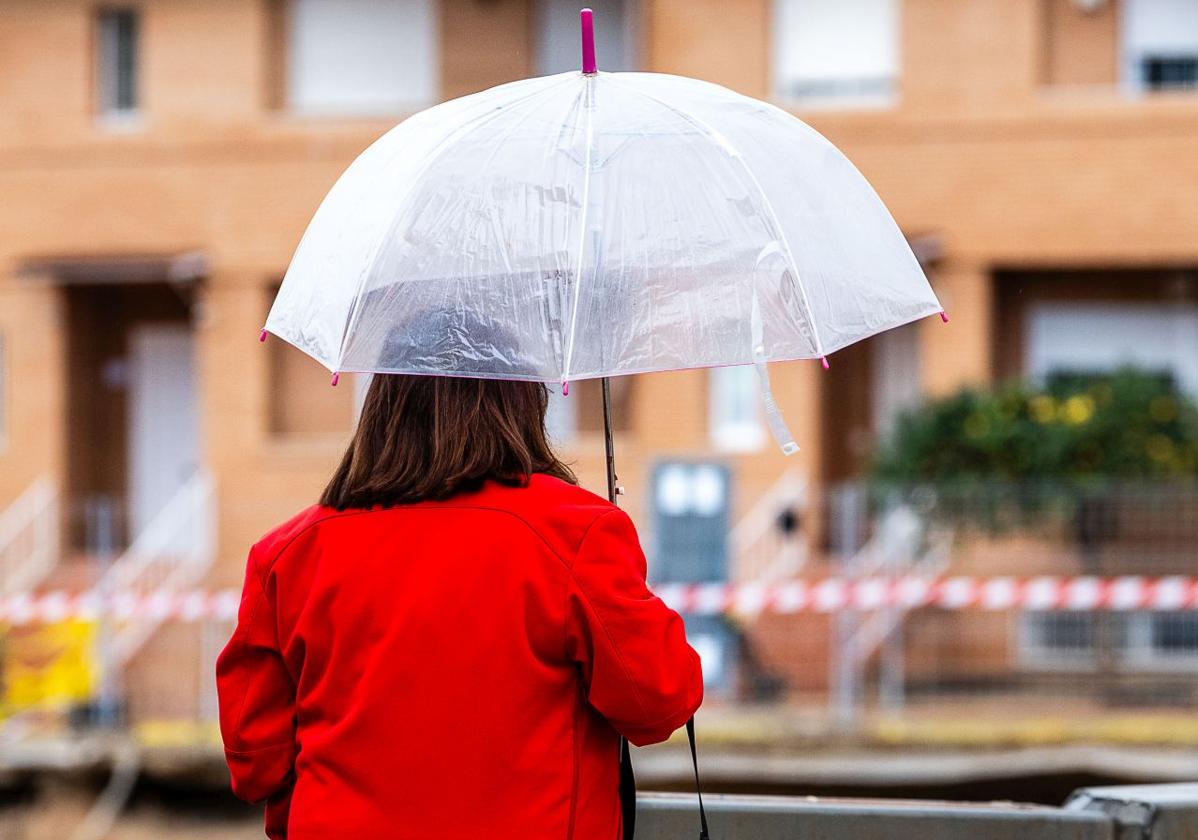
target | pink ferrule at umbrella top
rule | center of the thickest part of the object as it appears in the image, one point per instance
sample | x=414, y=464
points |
x=565, y=388
x=262, y=335
x=823, y=360
x=943, y=316
x=336, y=379
x=587, y=19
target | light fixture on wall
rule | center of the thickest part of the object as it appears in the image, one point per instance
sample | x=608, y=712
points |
x=1089, y=7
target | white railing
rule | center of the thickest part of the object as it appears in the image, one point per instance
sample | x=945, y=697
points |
x=172, y=553
x=902, y=546
x=29, y=531
x=763, y=549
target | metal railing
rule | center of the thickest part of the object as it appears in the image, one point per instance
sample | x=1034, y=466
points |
x=173, y=552
x=29, y=545
x=769, y=542
x=1058, y=599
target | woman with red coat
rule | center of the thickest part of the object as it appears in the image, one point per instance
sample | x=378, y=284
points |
x=450, y=644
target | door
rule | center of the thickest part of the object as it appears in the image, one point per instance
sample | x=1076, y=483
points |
x=164, y=436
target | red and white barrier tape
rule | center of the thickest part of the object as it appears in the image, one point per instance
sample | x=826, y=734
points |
x=163, y=605
x=820, y=596
x=948, y=593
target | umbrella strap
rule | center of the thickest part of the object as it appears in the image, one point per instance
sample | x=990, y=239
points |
x=627, y=791
x=773, y=414
x=690, y=736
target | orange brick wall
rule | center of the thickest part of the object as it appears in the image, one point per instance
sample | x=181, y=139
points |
x=977, y=150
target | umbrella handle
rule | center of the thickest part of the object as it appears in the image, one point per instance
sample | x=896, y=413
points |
x=586, y=19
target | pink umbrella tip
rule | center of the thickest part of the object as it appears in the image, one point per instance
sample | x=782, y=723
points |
x=262, y=335
x=823, y=360
x=943, y=316
x=336, y=379
x=586, y=19
x=565, y=388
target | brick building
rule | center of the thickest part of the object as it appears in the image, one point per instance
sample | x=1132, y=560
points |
x=160, y=159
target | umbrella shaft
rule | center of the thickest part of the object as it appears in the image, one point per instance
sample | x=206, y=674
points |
x=607, y=442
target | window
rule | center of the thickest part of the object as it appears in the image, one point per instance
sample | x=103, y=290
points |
x=836, y=51
x=361, y=386
x=1134, y=640
x=1174, y=634
x=301, y=404
x=1167, y=73
x=735, y=409
x=561, y=420
x=1161, y=337
x=558, y=44
x=117, y=65
x=362, y=57
x=1058, y=637
x=1163, y=640
x=1160, y=44
x=582, y=411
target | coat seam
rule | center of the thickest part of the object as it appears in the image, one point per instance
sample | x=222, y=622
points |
x=591, y=606
x=253, y=615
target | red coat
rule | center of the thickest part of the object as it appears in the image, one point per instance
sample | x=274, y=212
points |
x=450, y=670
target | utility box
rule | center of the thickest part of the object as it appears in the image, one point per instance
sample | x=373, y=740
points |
x=690, y=504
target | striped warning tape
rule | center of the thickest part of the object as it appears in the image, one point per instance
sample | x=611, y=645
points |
x=948, y=593
x=163, y=605
x=824, y=595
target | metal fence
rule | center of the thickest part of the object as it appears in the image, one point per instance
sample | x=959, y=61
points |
x=965, y=615
x=989, y=603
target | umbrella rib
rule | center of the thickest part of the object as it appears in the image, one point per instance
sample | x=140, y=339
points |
x=582, y=225
x=721, y=140
x=462, y=131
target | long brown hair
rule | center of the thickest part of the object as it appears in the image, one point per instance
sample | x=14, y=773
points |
x=431, y=437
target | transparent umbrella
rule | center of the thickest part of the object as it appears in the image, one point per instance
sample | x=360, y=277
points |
x=594, y=224
x=591, y=225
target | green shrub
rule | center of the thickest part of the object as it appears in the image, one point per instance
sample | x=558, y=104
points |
x=1076, y=430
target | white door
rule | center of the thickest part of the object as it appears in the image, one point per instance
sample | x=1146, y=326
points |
x=164, y=440
x=897, y=377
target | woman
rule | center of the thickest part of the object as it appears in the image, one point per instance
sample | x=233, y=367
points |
x=448, y=644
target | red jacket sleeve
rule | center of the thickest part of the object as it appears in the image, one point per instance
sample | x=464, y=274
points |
x=638, y=669
x=257, y=700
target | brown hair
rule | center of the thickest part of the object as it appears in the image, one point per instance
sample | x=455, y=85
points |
x=431, y=437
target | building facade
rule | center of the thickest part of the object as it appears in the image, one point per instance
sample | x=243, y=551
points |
x=160, y=159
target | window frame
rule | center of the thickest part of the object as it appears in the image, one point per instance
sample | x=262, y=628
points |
x=288, y=59
x=742, y=434
x=1135, y=649
x=1131, y=61
x=275, y=430
x=106, y=68
x=838, y=101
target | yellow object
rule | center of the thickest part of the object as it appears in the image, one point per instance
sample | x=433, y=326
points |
x=48, y=666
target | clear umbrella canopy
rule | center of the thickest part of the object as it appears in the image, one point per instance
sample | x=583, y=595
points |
x=589, y=225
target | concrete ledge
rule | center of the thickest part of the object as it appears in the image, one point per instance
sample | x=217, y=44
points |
x=673, y=816
x=1158, y=812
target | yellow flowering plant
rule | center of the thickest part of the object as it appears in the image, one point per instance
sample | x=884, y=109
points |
x=1130, y=424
